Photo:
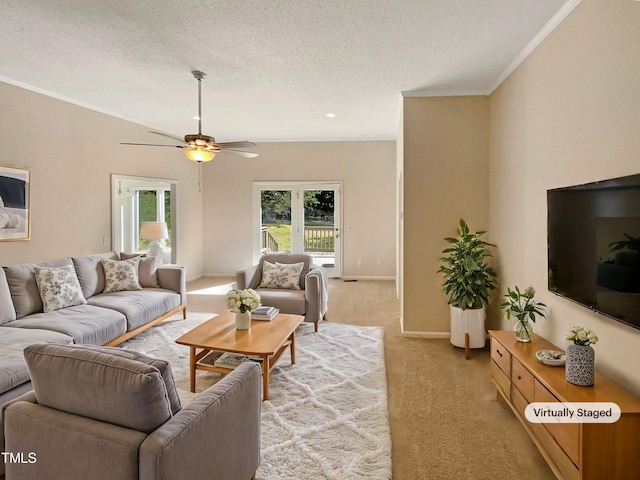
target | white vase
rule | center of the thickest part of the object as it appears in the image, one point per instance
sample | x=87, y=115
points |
x=469, y=321
x=243, y=320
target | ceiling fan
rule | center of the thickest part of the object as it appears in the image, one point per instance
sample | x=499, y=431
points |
x=198, y=147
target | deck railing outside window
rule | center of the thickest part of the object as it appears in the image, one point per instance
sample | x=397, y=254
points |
x=269, y=242
x=318, y=239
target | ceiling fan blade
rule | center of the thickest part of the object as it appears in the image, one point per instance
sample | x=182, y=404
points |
x=236, y=144
x=175, y=137
x=242, y=154
x=150, y=145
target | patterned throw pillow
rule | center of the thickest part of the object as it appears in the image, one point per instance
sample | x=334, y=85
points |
x=281, y=275
x=59, y=287
x=121, y=275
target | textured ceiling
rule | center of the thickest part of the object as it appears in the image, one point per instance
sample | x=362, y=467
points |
x=274, y=67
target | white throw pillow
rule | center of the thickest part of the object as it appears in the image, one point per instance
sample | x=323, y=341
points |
x=281, y=275
x=59, y=287
x=121, y=275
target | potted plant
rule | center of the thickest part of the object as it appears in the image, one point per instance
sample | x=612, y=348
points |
x=522, y=306
x=468, y=282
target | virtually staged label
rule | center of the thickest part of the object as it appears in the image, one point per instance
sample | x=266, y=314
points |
x=576, y=412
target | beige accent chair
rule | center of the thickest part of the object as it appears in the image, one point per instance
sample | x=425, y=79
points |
x=107, y=413
x=312, y=298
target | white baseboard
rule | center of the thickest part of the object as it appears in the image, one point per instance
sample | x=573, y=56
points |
x=410, y=334
x=348, y=278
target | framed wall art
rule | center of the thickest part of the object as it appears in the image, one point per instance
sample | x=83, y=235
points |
x=15, y=203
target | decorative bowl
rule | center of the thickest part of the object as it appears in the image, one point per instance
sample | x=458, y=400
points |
x=553, y=358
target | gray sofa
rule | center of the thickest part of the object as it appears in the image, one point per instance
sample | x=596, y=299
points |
x=109, y=413
x=106, y=318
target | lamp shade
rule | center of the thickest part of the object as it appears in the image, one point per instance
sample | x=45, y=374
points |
x=154, y=231
x=199, y=153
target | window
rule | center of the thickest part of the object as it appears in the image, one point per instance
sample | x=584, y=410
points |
x=136, y=200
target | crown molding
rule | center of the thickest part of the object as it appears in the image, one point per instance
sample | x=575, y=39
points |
x=535, y=41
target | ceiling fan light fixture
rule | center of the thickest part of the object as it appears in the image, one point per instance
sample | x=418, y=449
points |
x=199, y=154
x=198, y=147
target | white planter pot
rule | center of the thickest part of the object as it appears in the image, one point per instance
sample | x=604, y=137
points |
x=469, y=321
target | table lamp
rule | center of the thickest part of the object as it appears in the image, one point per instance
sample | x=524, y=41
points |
x=155, y=231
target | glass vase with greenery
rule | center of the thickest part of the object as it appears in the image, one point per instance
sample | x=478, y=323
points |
x=522, y=306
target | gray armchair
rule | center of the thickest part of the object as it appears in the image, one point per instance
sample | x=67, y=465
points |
x=106, y=413
x=310, y=300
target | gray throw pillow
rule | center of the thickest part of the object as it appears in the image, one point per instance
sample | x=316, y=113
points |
x=127, y=256
x=146, y=269
x=148, y=272
x=59, y=287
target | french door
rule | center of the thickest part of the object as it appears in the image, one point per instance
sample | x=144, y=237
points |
x=299, y=218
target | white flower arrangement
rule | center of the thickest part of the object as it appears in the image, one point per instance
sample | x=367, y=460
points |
x=246, y=300
x=581, y=336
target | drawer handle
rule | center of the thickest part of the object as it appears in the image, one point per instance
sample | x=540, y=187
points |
x=519, y=377
x=498, y=352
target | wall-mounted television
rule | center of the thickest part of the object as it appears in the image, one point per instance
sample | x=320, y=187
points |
x=594, y=246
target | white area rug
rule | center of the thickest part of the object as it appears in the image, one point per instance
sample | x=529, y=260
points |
x=326, y=417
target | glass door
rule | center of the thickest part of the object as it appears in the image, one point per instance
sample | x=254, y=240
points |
x=300, y=218
x=275, y=221
x=321, y=232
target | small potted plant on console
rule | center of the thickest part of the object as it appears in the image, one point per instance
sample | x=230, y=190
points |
x=522, y=306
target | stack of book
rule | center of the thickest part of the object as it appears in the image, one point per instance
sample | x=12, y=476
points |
x=230, y=360
x=264, y=313
x=211, y=358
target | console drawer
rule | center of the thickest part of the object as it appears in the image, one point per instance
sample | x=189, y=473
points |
x=501, y=356
x=565, y=434
x=502, y=382
x=522, y=379
x=518, y=401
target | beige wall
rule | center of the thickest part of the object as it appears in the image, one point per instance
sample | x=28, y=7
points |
x=367, y=170
x=446, y=169
x=569, y=114
x=72, y=152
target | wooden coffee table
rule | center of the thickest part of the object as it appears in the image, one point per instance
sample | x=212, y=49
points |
x=267, y=339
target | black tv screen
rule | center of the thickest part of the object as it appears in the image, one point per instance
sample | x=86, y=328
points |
x=594, y=246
